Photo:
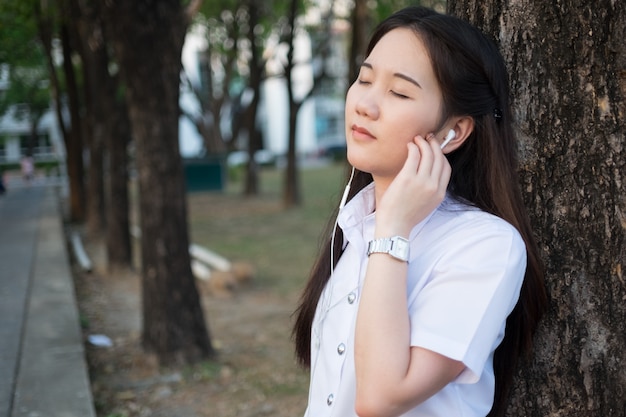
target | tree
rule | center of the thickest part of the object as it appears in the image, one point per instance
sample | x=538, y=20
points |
x=291, y=191
x=148, y=37
x=87, y=38
x=221, y=22
x=25, y=62
x=108, y=131
x=28, y=88
x=566, y=61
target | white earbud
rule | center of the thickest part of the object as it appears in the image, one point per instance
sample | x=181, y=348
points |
x=451, y=135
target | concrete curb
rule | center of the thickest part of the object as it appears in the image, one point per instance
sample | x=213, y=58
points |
x=52, y=377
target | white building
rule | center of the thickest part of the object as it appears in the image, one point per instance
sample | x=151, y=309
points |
x=15, y=133
x=320, y=119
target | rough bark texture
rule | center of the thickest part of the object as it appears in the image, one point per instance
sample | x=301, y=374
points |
x=567, y=63
x=90, y=46
x=118, y=242
x=251, y=186
x=110, y=131
x=73, y=140
x=292, y=196
x=149, y=36
x=360, y=35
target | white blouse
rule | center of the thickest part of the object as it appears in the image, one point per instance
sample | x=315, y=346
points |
x=464, y=276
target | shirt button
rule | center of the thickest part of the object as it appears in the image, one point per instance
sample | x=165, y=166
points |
x=351, y=297
x=317, y=342
x=330, y=399
x=341, y=348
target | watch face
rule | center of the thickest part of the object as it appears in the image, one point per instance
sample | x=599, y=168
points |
x=401, y=248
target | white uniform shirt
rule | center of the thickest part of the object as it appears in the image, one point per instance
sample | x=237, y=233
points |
x=464, y=276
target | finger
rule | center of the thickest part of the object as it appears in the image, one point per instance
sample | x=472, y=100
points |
x=412, y=159
x=426, y=157
x=441, y=167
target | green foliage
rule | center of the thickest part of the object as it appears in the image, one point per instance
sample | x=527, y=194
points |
x=24, y=60
x=27, y=86
x=19, y=44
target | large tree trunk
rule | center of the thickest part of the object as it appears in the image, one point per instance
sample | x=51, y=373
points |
x=567, y=63
x=73, y=141
x=110, y=132
x=87, y=39
x=360, y=35
x=95, y=133
x=71, y=135
x=118, y=242
x=148, y=41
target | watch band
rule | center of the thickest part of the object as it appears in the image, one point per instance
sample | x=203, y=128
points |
x=396, y=246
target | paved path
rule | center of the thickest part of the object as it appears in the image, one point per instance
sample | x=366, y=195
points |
x=42, y=360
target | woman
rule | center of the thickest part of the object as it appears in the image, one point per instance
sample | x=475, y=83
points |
x=432, y=255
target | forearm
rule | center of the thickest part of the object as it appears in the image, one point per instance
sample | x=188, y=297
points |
x=392, y=376
x=382, y=338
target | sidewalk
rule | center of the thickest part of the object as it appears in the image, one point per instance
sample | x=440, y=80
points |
x=43, y=372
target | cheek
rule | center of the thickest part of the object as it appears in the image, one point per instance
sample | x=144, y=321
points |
x=349, y=103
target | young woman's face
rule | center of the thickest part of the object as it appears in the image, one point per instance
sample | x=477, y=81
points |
x=395, y=98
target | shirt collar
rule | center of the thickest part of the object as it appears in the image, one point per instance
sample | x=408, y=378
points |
x=363, y=204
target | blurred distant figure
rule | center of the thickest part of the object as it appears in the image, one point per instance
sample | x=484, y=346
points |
x=2, y=187
x=27, y=168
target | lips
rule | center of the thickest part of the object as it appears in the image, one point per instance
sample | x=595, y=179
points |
x=361, y=133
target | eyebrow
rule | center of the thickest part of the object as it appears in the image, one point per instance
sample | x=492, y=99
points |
x=396, y=74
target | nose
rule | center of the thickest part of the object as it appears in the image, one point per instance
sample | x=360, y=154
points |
x=367, y=105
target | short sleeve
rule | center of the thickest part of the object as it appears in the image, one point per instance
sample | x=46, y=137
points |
x=472, y=284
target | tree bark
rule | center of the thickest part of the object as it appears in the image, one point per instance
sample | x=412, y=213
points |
x=107, y=200
x=74, y=142
x=251, y=186
x=149, y=36
x=291, y=194
x=360, y=35
x=567, y=63
x=118, y=242
x=91, y=49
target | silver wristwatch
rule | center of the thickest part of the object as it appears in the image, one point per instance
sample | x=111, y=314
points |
x=396, y=246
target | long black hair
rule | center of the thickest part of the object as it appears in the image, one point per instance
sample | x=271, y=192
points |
x=474, y=82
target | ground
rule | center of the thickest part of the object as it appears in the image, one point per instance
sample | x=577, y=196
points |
x=254, y=374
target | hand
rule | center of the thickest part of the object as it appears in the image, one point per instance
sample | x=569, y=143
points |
x=416, y=191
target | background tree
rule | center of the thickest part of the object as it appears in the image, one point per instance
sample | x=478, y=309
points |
x=237, y=33
x=23, y=58
x=87, y=40
x=148, y=38
x=290, y=29
x=108, y=133
x=51, y=27
x=567, y=63
x=221, y=22
x=28, y=88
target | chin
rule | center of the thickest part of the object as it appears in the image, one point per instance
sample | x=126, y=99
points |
x=359, y=163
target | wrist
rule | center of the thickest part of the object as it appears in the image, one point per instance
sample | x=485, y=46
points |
x=395, y=246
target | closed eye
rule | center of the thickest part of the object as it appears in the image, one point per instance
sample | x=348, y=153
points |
x=402, y=96
x=363, y=82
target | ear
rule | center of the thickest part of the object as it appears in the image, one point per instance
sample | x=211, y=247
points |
x=463, y=127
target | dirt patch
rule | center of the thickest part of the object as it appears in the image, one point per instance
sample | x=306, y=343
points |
x=254, y=375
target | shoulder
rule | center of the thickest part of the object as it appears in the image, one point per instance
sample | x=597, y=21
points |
x=457, y=232
x=454, y=219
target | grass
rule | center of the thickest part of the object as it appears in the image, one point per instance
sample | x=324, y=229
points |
x=280, y=243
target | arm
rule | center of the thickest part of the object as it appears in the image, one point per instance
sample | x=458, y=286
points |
x=392, y=376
